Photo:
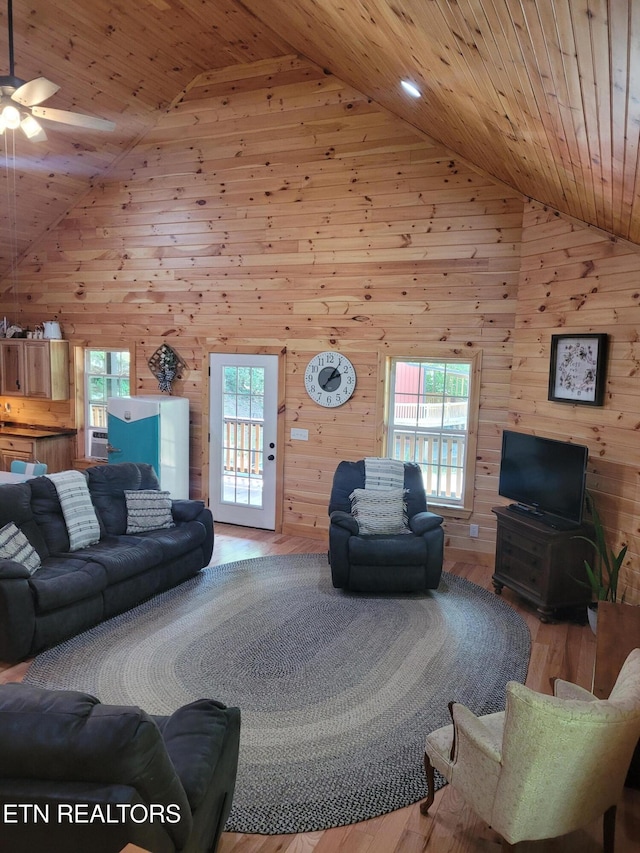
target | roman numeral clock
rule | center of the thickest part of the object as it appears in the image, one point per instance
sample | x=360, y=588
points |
x=330, y=379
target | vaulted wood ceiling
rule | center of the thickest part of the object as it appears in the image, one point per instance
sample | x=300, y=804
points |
x=542, y=94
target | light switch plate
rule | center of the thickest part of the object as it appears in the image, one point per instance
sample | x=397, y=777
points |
x=300, y=434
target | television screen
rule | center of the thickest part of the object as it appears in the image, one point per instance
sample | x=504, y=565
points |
x=544, y=476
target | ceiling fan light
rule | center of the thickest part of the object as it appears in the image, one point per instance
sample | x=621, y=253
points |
x=32, y=129
x=11, y=117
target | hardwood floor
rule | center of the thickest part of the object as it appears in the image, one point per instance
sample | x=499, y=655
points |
x=561, y=650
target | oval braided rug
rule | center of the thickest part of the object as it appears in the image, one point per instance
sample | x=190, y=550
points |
x=337, y=690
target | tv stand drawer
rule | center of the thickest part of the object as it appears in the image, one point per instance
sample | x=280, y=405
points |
x=525, y=574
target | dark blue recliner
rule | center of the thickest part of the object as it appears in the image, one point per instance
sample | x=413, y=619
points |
x=401, y=562
x=78, y=776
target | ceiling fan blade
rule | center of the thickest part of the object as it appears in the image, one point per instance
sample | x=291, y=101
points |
x=75, y=119
x=35, y=91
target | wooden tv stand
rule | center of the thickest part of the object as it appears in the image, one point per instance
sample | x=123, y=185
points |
x=541, y=563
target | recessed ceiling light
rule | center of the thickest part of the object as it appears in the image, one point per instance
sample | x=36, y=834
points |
x=411, y=89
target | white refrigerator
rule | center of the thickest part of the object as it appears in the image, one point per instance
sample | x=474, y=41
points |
x=154, y=429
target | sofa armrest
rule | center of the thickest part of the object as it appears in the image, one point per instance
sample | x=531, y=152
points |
x=344, y=520
x=17, y=612
x=422, y=522
x=11, y=570
x=186, y=510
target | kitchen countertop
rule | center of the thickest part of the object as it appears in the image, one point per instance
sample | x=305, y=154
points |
x=25, y=431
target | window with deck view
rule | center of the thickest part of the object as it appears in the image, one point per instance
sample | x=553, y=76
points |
x=431, y=414
x=106, y=374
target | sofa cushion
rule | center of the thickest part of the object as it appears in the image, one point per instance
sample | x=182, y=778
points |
x=147, y=509
x=176, y=541
x=15, y=546
x=64, y=580
x=15, y=506
x=122, y=557
x=107, y=484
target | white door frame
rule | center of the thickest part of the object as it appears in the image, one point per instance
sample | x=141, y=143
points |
x=236, y=354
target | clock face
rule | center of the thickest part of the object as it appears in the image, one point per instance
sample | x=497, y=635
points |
x=330, y=379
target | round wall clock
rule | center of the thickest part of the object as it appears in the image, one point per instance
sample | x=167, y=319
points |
x=330, y=379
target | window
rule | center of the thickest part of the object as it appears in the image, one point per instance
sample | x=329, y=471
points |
x=106, y=374
x=432, y=421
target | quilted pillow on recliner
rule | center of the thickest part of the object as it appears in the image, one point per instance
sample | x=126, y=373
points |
x=379, y=511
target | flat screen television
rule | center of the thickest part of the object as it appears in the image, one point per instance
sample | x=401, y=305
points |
x=545, y=477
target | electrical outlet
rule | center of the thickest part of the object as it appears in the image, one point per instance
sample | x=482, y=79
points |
x=474, y=531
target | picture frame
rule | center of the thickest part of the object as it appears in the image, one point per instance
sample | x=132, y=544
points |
x=577, y=369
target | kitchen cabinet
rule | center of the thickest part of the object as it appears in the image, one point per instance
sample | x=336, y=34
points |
x=542, y=564
x=55, y=449
x=38, y=369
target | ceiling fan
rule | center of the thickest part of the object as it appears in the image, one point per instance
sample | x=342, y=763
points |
x=20, y=101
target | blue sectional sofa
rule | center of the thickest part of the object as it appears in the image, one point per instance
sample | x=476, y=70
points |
x=75, y=590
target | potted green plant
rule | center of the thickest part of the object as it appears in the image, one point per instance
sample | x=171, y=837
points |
x=604, y=571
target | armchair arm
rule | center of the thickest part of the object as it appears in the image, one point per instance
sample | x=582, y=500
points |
x=470, y=731
x=344, y=520
x=422, y=522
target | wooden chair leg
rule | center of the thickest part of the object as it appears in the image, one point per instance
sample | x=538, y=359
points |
x=425, y=805
x=609, y=829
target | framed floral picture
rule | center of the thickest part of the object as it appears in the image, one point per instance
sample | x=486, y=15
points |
x=578, y=367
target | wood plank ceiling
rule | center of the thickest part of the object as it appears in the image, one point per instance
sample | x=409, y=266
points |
x=542, y=94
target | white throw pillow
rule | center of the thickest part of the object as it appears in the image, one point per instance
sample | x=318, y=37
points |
x=379, y=510
x=147, y=509
x=15, y=546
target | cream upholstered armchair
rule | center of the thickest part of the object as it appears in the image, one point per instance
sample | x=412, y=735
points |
x=545, y=766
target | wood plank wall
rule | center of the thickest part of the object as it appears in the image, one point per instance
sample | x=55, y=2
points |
x=577, y=279
x=275, y=206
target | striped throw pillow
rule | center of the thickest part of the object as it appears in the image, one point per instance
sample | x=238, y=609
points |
x=15, y=546
x=147, y=509
x=379, y=510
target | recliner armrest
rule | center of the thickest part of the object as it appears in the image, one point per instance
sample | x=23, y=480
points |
x=343, y=519
x=422, y=522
